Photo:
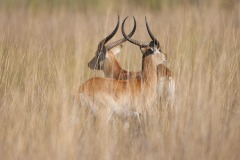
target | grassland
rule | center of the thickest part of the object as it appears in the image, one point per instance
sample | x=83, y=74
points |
x=43, y=59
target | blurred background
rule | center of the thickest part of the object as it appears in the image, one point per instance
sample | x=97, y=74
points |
x=102, y=5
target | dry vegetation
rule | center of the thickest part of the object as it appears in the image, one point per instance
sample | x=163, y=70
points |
x=43, y=59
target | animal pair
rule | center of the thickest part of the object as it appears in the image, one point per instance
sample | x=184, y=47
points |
x=123, y=89
x=106, y=61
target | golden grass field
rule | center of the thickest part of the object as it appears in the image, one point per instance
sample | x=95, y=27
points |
x=43, y=59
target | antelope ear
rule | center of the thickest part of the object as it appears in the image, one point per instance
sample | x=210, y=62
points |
x=116, y=50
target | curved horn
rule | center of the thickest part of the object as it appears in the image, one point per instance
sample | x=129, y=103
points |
x=140, y=44
x=105, y=40
x=150, y=34
x=118, y=42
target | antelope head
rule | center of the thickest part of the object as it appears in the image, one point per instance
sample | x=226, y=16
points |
x=147, y=48
x=103, y=49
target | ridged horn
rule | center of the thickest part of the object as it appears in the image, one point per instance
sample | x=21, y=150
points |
x=105, y=40
x=151, y=35
x=140, y=44
x=118, y=42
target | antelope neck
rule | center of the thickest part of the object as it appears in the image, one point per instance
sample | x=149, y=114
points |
x=149, y=71
x=111, y=67
x=144, y=56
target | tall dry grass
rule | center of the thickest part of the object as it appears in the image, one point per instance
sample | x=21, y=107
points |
x=43, y=59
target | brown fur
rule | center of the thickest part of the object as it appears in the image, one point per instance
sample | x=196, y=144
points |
x=116, y=87
x=163, y=71
x=166, y=84
x=112, y=69
x=134, y=90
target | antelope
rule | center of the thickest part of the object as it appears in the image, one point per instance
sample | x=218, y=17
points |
x=112, y=69
x=122, y=94
x=166, y=83
x=106, y=61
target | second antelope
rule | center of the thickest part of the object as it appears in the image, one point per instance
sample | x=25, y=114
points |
x=106, y=61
